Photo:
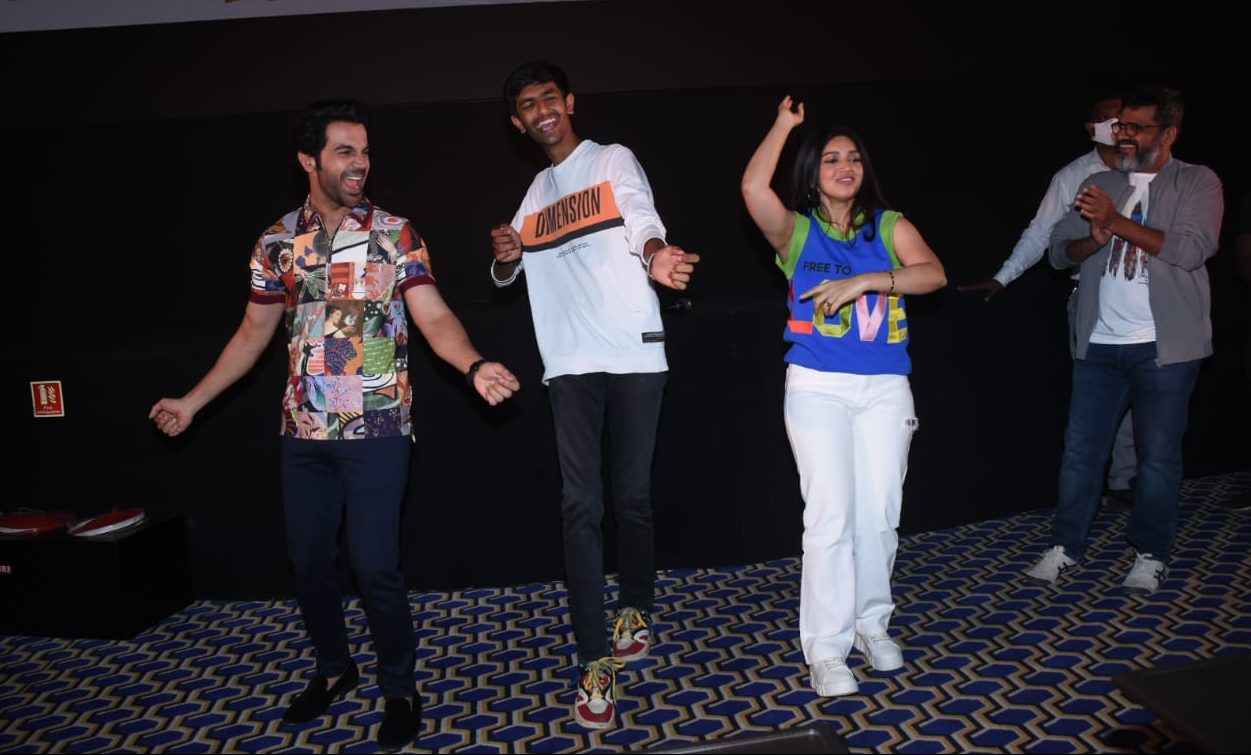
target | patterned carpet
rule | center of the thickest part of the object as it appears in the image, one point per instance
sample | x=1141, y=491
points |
x=993, y=664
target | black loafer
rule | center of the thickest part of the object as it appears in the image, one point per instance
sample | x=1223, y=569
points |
x=401, y=723
x=317, y=696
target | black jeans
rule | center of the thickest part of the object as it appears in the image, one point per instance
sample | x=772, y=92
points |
x=624, y=410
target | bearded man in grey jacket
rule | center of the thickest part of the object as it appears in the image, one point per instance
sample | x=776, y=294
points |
x=1141, y=235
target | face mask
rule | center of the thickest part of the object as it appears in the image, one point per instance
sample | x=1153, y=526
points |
x=1103, y=133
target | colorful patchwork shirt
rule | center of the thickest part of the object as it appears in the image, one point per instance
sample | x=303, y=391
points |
x=347, y=327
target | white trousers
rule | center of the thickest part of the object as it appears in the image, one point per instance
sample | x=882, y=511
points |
x=850, y=435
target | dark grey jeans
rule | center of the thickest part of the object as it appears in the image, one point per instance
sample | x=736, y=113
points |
x=622, y=412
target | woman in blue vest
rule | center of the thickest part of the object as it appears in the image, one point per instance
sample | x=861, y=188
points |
x=849, y=412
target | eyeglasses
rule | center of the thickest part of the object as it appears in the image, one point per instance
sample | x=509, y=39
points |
x=1131, y=129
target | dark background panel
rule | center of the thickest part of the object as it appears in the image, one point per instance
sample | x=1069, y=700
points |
x=143, y=162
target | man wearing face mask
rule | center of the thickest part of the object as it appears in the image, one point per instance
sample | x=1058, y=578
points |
x=1058, y=200
x=1032, y=245
x=1141, y=234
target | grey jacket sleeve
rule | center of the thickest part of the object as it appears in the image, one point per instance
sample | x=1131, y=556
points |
x=1193, y=234
x=1070, y=228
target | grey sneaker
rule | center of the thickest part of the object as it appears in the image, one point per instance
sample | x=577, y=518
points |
x=883, y=653
x=831, y=678
x=1145, y=575
x=1050, y=565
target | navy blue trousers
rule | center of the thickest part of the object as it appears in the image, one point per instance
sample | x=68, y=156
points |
x=360, y=484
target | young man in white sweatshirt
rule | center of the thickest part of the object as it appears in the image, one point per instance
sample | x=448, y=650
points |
x=592, y=244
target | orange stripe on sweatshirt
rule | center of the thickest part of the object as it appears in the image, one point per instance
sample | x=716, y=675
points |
x=571, y=216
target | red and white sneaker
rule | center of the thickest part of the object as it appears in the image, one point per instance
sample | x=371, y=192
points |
x=595, y=706
x=631, y=637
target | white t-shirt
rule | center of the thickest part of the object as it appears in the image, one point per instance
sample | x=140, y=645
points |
x=583, y=225
x=1124, y=304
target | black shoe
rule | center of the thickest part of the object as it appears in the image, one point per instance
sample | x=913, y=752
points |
x=316, y=697
x=400, y=724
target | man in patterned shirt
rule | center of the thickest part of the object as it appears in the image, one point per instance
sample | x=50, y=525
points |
x=345, y=275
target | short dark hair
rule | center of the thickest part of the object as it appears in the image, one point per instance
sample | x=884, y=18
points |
x=1101, y=95
x=310, y=134
x=805, y=178
x=1169, y=103
x=534, y=72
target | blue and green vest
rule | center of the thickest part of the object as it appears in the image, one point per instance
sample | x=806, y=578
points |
x=868, y=336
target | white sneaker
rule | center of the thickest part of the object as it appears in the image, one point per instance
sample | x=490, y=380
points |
x=881, y=650
x=831, y=678
x=1050, y=565
x=1145, y=575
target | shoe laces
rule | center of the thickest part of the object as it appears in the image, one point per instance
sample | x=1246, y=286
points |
x=600, y=676
x=629, y=621
x=1145, y=562
x=1055, y=558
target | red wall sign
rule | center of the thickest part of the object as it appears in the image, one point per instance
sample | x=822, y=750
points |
x=48, y=398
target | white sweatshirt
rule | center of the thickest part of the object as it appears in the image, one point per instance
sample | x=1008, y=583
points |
x=583, y=225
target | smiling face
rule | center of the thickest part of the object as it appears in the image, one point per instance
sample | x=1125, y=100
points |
x=542, y=111
x=842, y=172
x=337, y=174
x=1141, y=143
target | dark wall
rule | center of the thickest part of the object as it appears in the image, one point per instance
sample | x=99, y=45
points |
x=144, y=162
